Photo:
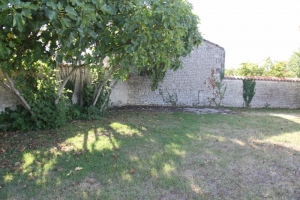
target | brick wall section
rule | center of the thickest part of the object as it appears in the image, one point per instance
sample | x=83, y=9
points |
x=7, y=99
x=274, y=94
x=187, y=83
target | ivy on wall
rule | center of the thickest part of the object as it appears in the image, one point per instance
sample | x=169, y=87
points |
x=248, y=91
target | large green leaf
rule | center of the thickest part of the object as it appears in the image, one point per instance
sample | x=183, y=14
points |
x=71, y=12
x=19, y=21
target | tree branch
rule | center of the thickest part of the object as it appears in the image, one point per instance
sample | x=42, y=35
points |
x=3, y=84
x=102, y=84
x=65, y=82
x=17, y=93
x=108, y=96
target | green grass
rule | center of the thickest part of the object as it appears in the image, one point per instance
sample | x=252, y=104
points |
x=150, y=155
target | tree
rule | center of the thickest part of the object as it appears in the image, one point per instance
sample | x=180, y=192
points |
x=137, y=35
x=251, y=69
x=278, y=70
x=232, y=72
x=268, y=64
x=293, y=64
x=268, y=68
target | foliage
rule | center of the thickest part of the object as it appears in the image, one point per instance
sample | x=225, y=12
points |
x=40, y=92
x=18, y=119
x=251, y=69
x=248, y=91
x=246, y=69
x=39, y=35
x=147, y=32
x=232, y=72
x=281, y=69
x=293, y=64
x=88, y=111
x=278, y=70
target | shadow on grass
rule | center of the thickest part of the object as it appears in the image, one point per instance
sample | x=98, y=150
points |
x=139, y=155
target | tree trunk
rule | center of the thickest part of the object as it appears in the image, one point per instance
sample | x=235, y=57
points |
x=81, y=87
x=102, y=84
x=64, y=84
x=17, y=93
x=107, y=98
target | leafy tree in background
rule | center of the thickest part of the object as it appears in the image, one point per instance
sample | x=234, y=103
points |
x=268, y=64
x=269, y=68
x=36, y=36
x=232, y=72
x=293, y=64
x=251, y=69
x=279, y=69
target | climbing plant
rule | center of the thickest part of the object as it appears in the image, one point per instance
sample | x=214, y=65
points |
x=217, y=89
x=248, y=91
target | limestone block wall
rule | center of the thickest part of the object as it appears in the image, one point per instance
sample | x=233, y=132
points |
x=7, y=99
x=274, y=94
x=185, y=87
x=119, y=94
x=189, y=86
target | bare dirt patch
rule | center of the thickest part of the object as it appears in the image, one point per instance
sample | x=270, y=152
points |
x=197, y=110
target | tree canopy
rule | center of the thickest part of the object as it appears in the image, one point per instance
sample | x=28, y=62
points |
x=294, y=64
x=136, y=35
x=269, y=68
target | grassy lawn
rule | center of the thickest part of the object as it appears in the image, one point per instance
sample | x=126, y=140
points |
x=254, y=154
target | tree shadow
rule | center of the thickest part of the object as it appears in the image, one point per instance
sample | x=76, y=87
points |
x=140, y=155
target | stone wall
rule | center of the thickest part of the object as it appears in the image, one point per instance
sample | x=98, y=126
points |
x=185, y=87
x=268, y=93
x=7, y=99
x=192, y=86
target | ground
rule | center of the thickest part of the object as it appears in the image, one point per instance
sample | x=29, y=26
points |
x=197, y=110
x=133, y=154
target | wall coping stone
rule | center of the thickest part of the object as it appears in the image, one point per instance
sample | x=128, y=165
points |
x=262, y=78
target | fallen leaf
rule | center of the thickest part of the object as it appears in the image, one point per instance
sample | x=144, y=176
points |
x=75, y=183
x=38, y=163
x=59, y=169
x=13, y=168
x=2, y=150
x=78, y=168
x=22, y=149
x=17, y=164
x=30, y=176
x=90, y=181
x=70, y=173
x=131, y=171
